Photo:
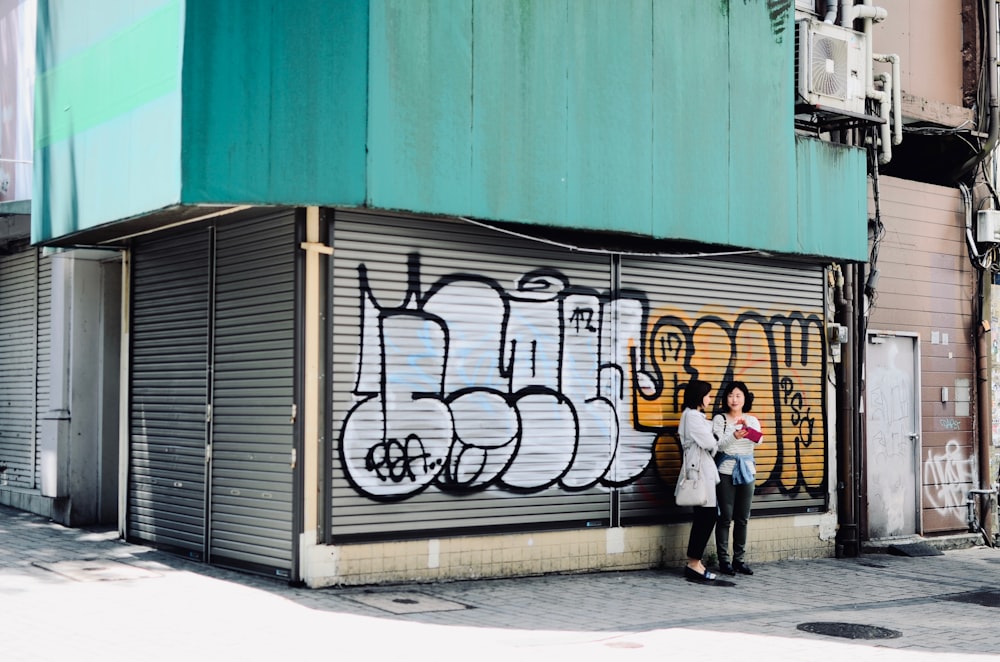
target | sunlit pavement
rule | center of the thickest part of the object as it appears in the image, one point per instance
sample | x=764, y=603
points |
x=69, y=594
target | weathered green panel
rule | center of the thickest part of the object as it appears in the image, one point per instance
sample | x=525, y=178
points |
x=832, y=195
x=275, y=102
x=762, y=145
x=691, y=100
x=519, y=141
x=420, y=100
x=671, y=120
x=107, y=112
x=610, y=98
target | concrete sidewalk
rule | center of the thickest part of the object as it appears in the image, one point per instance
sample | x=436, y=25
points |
x=71, y=594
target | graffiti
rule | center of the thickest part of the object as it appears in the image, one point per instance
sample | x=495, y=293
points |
x=947, y=476
x=950, y=424
x=468, y=384
x=778, y=10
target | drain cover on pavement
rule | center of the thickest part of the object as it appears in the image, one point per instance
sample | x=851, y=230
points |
x=849, y=630
x=406, y=602
x=981, y=598
x=96, y=570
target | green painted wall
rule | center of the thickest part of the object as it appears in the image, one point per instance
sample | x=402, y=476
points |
x=107, y=112
x=274, y=102
x=663, y=119
x=832, y=198
x=671, y=120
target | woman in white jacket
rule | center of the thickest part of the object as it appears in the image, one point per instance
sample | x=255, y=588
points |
x=738, y=432
x=695, y=431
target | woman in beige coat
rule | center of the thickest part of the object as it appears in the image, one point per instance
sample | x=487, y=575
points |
x=695, y=431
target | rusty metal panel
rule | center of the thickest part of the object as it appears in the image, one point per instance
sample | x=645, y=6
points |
x=927, y=286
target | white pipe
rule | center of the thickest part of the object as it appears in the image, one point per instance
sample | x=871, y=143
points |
x=897, y=96
x=831, y=12
x=845, y=13
x=970, y=241
x=869, y=14
x=885, y=102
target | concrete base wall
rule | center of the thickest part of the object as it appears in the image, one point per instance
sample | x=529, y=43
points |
x=33, y=502
x=580, y=550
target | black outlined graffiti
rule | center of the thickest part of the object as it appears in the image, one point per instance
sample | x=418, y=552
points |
x=469, y=385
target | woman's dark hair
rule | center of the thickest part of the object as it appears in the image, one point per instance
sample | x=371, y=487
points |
x=695, y=392
x=730, y=387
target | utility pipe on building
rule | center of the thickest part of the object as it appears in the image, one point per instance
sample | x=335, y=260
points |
x=847, y=542
x=993, y=131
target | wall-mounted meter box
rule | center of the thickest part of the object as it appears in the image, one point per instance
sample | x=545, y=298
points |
x=988, y=226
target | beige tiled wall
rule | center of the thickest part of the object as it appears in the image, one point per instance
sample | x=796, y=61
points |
x=580, y=550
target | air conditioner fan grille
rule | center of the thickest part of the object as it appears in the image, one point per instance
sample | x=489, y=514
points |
x=828, y=66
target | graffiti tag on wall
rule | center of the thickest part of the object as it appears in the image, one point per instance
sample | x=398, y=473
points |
x=948, y=473
x=467, y=384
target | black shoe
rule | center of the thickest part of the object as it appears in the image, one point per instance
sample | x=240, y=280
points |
x=726, y=568
x=742, y=568
x=693, y=575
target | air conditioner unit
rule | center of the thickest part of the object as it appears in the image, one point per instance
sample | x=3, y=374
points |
x=830, y=67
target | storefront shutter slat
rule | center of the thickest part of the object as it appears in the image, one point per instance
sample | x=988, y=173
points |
x=464, y=339
x=169, y=390
x=20, y=313
x=253, y=394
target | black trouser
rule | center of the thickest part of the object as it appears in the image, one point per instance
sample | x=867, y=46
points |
x=734, y=509
x=701, y=530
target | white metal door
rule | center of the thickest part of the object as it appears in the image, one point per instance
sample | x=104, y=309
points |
x=893, y=434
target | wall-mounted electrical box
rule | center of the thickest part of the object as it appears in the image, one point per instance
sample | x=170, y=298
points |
x=837, y=333
x=988, y=226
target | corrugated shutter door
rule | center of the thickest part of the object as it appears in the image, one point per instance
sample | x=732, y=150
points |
x=761, y=322
x=169, y=390
x=43, y=376
x=18, y=296
x=467, y=380
x=253, y=394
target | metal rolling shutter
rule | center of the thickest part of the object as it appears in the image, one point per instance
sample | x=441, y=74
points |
x=253, y=394
x=474, y=337
x=758, y=321
x=43, y=352
x=18, y=353
x=169, y=390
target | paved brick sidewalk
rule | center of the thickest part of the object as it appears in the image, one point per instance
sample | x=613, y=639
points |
x=69, y=594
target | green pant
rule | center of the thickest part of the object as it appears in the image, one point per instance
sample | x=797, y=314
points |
x=734, y=509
